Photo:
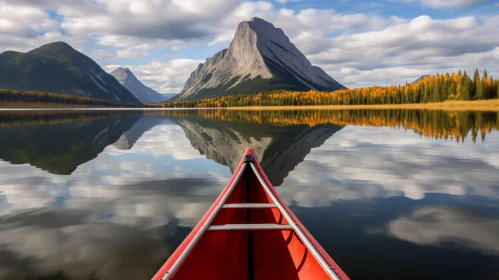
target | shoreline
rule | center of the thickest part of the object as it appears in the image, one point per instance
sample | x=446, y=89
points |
x=475, y=105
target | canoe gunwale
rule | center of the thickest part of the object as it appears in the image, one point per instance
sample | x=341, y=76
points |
x=301, y=235
x=178, y=262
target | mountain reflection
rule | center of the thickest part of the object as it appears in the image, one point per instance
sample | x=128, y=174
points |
x=60, y=141
x=279, y=149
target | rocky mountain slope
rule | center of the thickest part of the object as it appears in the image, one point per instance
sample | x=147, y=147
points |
x=260, y=58
x=143, y=93
x=58, y=68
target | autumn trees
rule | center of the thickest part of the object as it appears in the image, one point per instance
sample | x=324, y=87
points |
x=440, y=87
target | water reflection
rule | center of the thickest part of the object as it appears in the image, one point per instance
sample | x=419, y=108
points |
x=60, y=144
x=444, y=225
x=109, y=194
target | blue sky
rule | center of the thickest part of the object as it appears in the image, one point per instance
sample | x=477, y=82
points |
x=359, y=43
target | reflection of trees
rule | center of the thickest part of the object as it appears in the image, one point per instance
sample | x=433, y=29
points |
x=15, y=118
x=429, y=123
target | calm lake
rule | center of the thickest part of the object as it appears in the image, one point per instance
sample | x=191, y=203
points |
x=392, y=194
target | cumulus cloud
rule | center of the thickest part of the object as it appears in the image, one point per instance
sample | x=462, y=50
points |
x=438, y=226
x=308, y=23
x=25, y=27
x=403, y=51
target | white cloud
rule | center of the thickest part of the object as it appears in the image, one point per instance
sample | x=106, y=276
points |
x=130, y=53
x=420, y=46
x=152, y=19
x=315, y=22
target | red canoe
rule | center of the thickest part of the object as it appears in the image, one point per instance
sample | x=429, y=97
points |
x=249, y=234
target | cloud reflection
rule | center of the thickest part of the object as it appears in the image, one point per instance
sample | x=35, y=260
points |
x=438, y=226
x=366, y=163
x=110, y=217
x=67, y=244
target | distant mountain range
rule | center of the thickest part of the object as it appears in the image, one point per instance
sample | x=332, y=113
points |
x=143, y=93
x=419, y=79
x=260, y=58
x=58, y=68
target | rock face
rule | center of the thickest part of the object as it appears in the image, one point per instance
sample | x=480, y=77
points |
x=58, y=68
x=259, y=58
x=143, y=93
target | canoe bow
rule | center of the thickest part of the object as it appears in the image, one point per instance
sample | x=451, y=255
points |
x=249, y=233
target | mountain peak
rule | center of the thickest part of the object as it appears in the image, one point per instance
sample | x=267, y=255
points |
x=122, y=74
x=55, y=47
x=260, y=26
x=260, y=58
x=257, y=20
x=143, y=93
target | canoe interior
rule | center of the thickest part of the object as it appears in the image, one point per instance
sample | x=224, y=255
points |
x=243, y=254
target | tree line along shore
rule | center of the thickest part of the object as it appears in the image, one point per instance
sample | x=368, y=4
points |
x=458, y=91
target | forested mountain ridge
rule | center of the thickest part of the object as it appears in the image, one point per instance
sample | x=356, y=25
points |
x=58, y=68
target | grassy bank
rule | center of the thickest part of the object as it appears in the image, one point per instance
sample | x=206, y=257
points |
x=477, y=105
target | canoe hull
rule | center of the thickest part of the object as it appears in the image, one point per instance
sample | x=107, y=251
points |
x=269, y=248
